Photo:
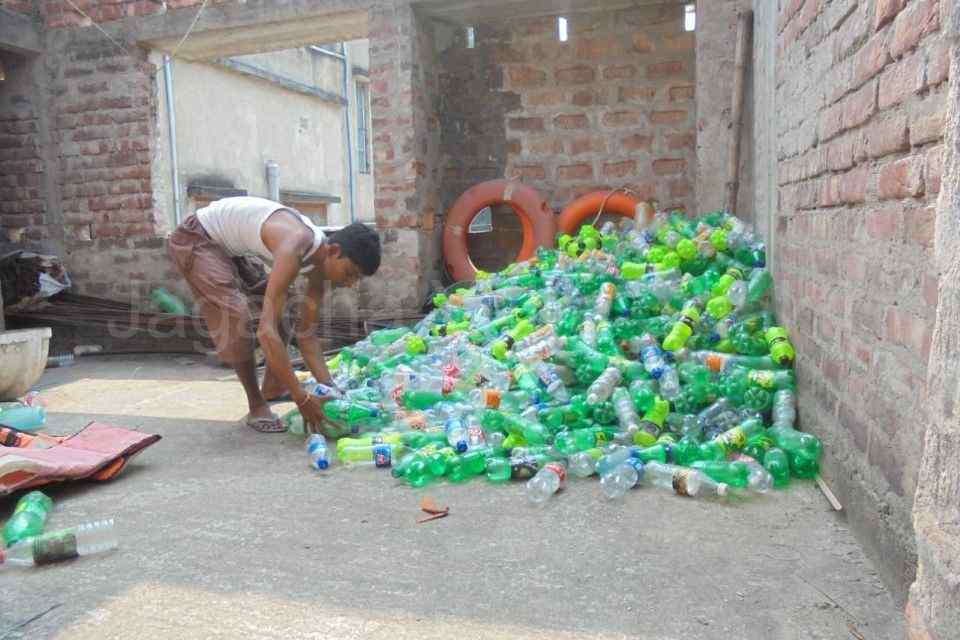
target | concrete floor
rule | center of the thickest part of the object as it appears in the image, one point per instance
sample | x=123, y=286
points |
x=226, y=533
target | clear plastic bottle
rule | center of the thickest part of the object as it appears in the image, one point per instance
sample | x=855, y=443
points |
x=548, y=480
x=625, y=476
x=583, y=464
x=652, y=355
x=602, y=388
x=604, y=301
x=317, y=452
x=539, y=351
x=588, y=333
x=669, y=383
x=536, y=337
x=612, y=457
x=456, y=429
x=784, y=412
x=626, y=411
x=551, y=381
x=57, y=546
x=683, y=481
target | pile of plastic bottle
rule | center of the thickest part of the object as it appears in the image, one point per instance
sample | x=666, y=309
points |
x=642, y=354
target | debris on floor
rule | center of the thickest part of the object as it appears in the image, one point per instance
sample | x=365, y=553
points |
x=434, y=512
x=644, y=354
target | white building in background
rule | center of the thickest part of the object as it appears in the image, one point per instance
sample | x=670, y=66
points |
x=285, y=122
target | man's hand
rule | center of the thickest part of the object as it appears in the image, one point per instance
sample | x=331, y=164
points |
x=311, y=408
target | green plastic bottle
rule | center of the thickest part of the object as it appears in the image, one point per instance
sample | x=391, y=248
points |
x=449, y=328
x=632, y=270
x=803, y=450
x=499, y=470
x=775, y=461
x=759, y=284
x=781, y=349
x=735, y=474
x=501, y=347
x=377, y=455
x=568, y=442
x=492, y=329
x=726, y=281
x=732, y=440
x=28, y=519
x=426, y=399
x=651, y=425
x=350, y=412
x=684, y=327
x=168, y=303
x=386, y=337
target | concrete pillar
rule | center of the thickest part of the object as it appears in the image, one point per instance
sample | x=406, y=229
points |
x=933, y=610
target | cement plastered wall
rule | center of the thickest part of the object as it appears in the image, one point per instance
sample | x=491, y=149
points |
x=358, y=53
x=716, y=44
x=861, y=101
x=230, y=124
x=104, y=159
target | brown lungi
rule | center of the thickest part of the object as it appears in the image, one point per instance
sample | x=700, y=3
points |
x=217, y=287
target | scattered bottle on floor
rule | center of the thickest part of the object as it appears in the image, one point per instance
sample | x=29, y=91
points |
x=57, y=546
x=28, y=519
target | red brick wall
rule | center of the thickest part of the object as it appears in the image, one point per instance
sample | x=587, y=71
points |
x=19, y=6
x=611, y=107
x=105, y=98
x=22, y=203
x=862, y=97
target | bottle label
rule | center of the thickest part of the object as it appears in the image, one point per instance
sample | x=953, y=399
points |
x=54, y=548
x=476, y=436
x=491, y=398
x=381, y=455
x=523, y=468
x=764, y=379
x=680, y=482
x=448, y=384
x=558, y=469
x=715, y=362
x=734, y=439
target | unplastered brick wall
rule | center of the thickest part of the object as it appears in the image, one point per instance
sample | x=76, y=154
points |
x=861, y=98
x=104, y=115
x=19, y=6
x=22, y=204
x=612, y=106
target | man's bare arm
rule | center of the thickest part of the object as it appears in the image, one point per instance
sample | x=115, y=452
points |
x=310, y=345
x=285, y=268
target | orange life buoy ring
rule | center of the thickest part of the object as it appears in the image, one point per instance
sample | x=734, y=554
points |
x=587, y=206
x=536, y=218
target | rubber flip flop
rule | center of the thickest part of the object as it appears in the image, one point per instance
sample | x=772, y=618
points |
x=266, y=425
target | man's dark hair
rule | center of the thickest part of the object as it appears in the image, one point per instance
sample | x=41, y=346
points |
x=361, y=244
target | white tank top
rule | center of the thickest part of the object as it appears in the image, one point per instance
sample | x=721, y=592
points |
x=235, y=224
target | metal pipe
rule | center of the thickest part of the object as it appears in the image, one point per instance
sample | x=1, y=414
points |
x=172, y=124
x=273, y=180
x=346, y=94
x=326, y=52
